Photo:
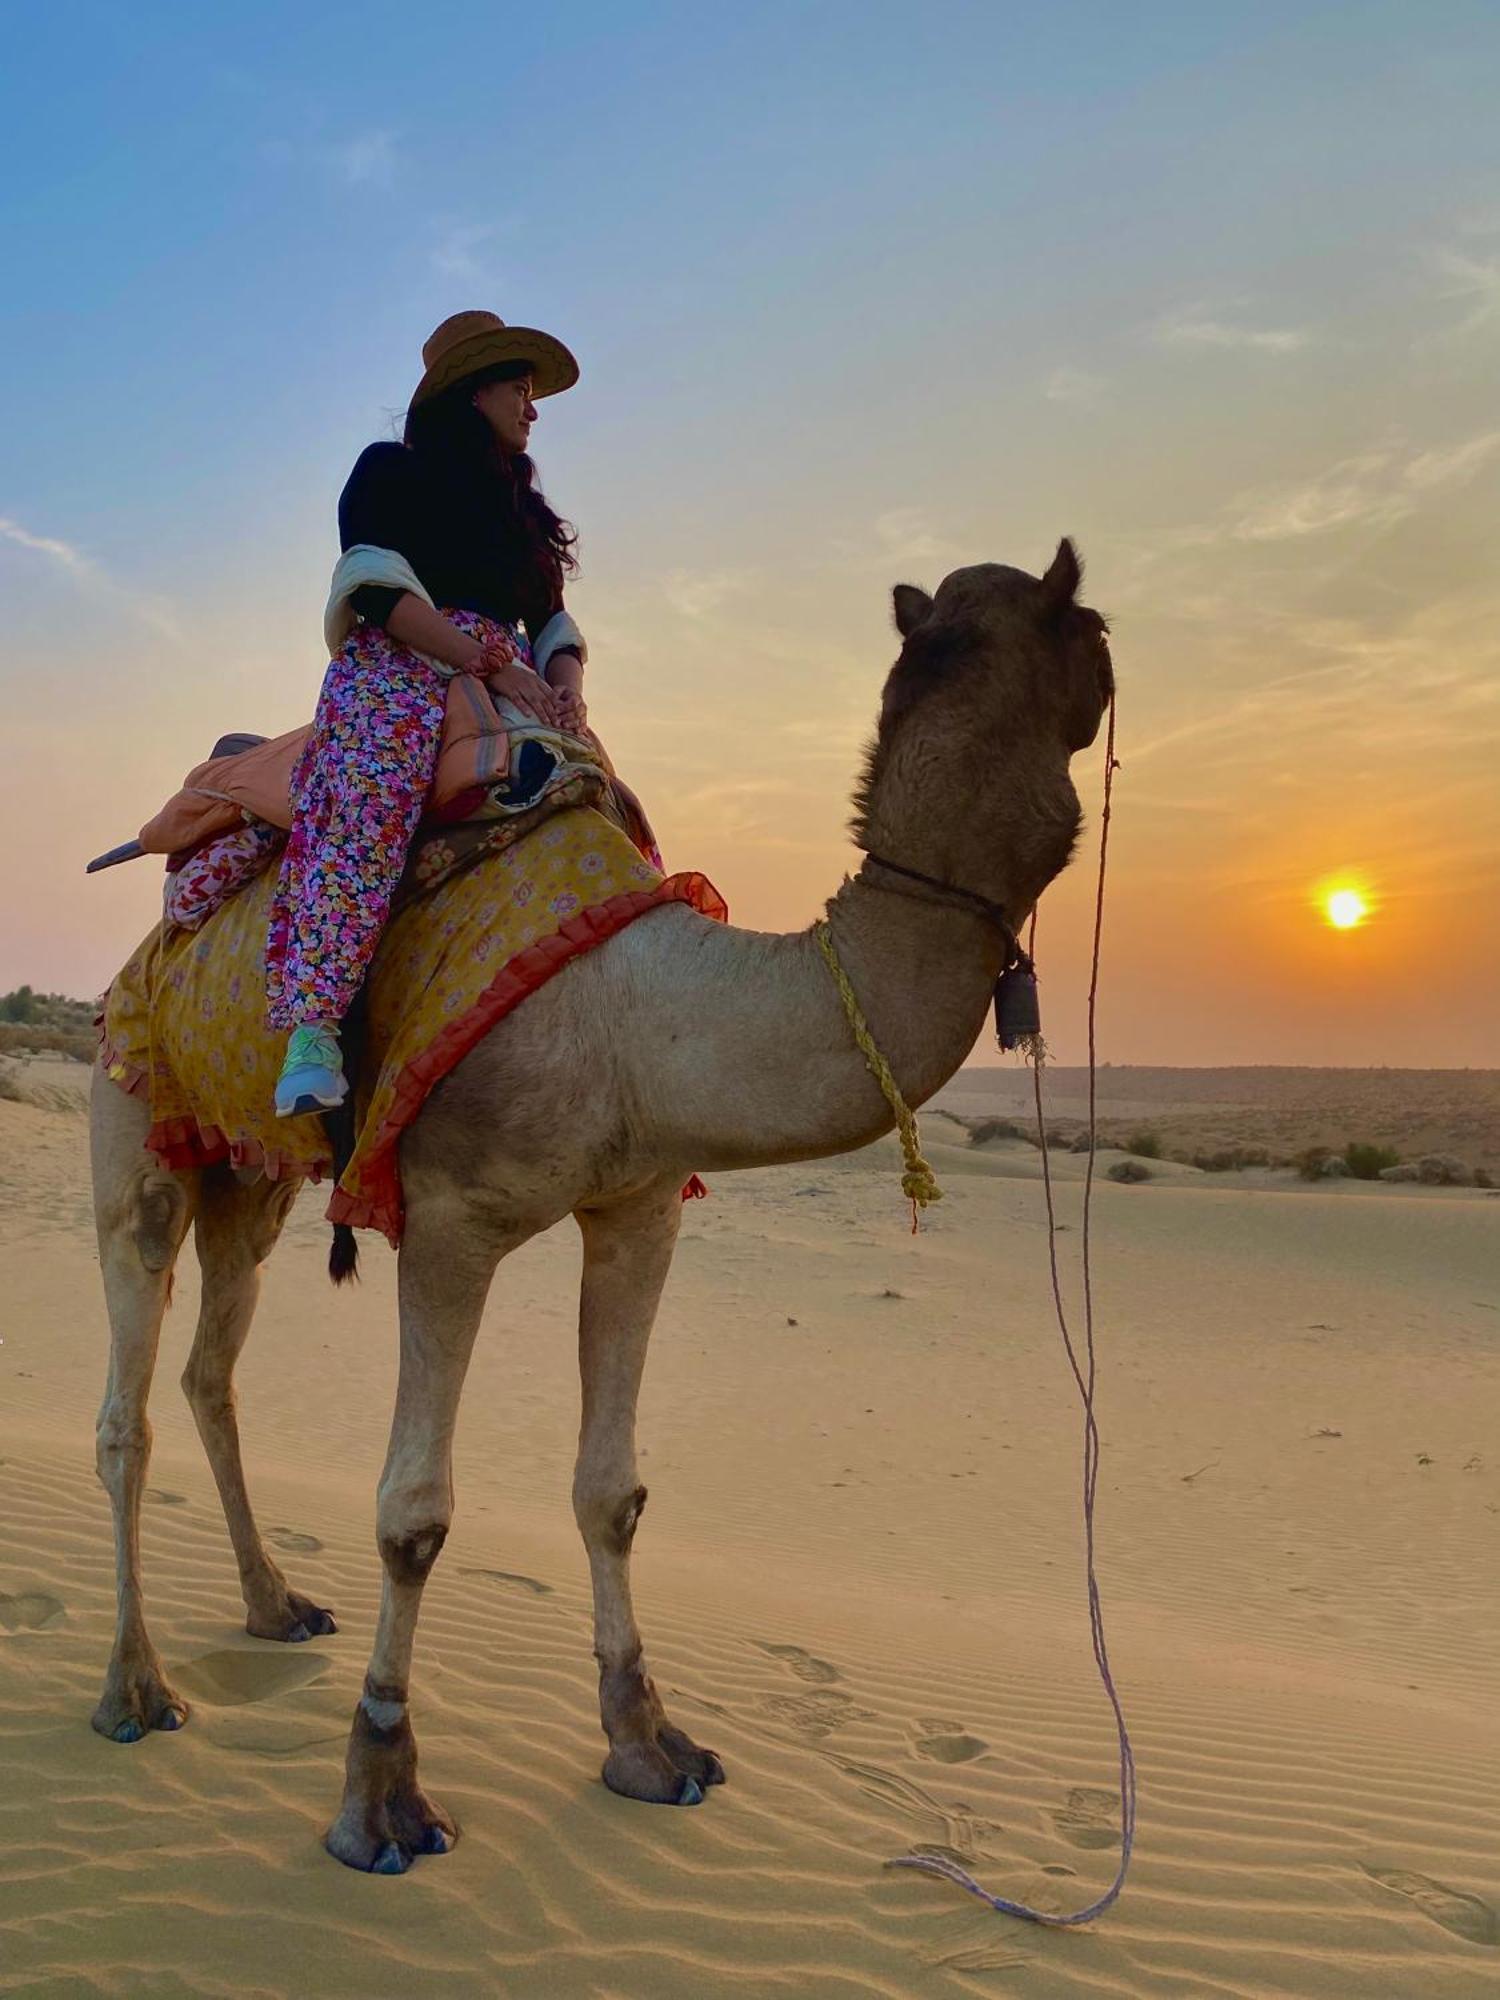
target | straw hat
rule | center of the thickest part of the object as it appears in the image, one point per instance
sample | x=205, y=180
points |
x=469, y=341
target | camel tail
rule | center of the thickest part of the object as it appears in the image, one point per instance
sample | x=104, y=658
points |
x=343, y=1130
x=343, y=1254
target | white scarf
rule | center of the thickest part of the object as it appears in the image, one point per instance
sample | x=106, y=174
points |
x=366, y=564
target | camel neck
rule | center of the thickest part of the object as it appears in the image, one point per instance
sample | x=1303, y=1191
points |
x=924, y=970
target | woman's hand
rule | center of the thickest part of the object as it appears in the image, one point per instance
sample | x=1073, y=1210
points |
x=573, y=715
x=526, y=691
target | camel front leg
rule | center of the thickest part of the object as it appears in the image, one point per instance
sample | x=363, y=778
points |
x=386, y=1818
x=627, y=1251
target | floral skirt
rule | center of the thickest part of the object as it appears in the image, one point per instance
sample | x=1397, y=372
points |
x=357, y=794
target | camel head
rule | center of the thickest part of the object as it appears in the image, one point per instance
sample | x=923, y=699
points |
x=1001, y=678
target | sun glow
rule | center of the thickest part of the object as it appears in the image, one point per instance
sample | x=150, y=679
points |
x=1345, y=908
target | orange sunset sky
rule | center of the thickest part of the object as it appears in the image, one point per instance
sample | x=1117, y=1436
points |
x=860, y=294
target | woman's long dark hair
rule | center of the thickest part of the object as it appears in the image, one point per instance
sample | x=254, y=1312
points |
x=496, y=491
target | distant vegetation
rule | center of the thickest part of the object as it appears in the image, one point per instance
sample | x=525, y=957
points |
x=1144, y=1145
x=46, y=1022
x=1368, y=1163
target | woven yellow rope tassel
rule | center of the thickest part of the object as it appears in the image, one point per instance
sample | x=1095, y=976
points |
x=919, y=1182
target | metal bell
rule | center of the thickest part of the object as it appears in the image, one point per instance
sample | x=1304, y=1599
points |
x=1018, y=1012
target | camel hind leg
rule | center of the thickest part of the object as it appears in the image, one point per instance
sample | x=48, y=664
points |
x=142, y=1214
x=237, y=1228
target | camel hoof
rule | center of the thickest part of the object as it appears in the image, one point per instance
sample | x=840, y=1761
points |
x=132, y=1708
x=387, y=1839
x=703, y=1765
x=644, y=1771
x=290, y=1620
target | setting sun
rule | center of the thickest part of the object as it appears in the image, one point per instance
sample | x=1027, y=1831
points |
x=1345, y=909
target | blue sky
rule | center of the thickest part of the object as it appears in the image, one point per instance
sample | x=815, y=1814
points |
x=860, y=293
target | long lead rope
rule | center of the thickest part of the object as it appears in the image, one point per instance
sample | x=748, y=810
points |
x=1084, y=1374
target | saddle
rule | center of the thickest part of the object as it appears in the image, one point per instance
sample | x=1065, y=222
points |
x=249, y=777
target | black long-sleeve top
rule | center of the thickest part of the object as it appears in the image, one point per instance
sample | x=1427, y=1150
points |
x=458, y=550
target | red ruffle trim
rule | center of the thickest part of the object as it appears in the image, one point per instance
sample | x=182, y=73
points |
x=181, y=1144
x=381, y=1207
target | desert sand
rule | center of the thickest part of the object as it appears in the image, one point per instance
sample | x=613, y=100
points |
x=860, y=1577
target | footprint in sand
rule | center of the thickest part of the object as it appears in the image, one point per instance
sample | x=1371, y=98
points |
x=30, y=1610
x=989, y=1956
x=294, y=1746
x=803, y=1664
x=814, y=1715
x=159, y=1498
x=1089, y=1819
x=947, y=1742
x=1466, y=1916
x=961, y=1832
x=510, y=1580
x=231, y=1678
x=294, y=1541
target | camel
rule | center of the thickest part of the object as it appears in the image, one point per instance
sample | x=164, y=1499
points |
x=678, y=1045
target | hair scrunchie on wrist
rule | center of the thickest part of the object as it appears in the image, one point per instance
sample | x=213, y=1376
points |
x=497, y=653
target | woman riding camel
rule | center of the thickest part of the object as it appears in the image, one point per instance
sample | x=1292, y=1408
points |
x=453, y=563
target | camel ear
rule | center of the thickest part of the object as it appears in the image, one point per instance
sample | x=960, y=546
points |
x=911, y=607
x=1060, y=584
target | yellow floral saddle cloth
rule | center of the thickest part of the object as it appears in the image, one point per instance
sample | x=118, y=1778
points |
x=184, y=1025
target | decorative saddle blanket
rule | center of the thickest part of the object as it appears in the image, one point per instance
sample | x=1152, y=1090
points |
x=483, y=925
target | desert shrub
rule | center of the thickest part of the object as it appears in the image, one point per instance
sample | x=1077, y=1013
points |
x=984, y=1131
x=79, y=1044
x=1129, y=1171
x=1366, y=1162
x=1309, y=1163
x=1225, y=1160
x=1144, y=1145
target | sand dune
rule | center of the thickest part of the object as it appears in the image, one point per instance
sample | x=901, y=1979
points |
x=860, y=1580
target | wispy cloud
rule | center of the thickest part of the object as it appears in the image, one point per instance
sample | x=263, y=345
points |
x=697, y=594
x=156, y=612
x=1196, y=326
x=368, y=160
x=1374, y=489
x=1073, y=385
x=71, y=558
x=1419, y=693
x=1473, y=284
x=456, y=254
x=906, y=532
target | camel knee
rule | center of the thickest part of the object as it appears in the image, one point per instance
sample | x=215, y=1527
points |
x=158, y=1220
x=411, y=1525
x=209, y=1387
x=607, y=1517
x=122, y=1445
x=408, y=1557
